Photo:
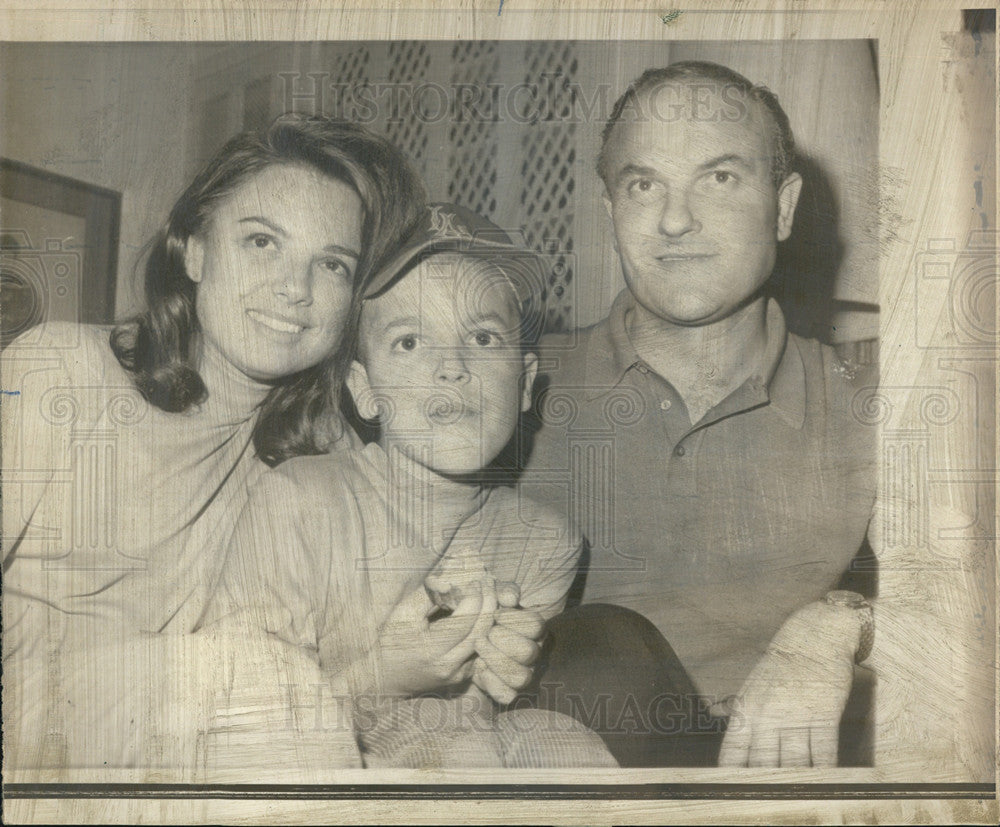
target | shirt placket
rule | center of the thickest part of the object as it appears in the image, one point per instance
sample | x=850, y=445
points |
x=679, y=444
x=683, y=440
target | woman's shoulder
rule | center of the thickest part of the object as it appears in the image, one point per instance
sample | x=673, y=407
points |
x=80, y=352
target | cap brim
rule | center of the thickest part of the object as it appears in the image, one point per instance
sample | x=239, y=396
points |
x=408, y=258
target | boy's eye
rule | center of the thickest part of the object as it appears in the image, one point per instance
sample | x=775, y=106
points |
x=484, y=338
x=337, y=267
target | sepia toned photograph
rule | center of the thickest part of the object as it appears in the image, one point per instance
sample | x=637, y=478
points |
x=410, y=419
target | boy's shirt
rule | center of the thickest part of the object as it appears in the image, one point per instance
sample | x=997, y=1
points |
x=327, y=546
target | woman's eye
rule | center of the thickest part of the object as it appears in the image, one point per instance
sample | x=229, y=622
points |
x=261, y=241
x=406, y=342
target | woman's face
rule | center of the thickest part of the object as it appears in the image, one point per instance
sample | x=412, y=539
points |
x=275, y=266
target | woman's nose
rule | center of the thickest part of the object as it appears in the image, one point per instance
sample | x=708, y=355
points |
x=294, y=285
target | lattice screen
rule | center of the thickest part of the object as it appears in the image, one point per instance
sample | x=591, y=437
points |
x=350, y=67
x=548, y=150
x=516, y=166
x=409, y=63
x=472, y=142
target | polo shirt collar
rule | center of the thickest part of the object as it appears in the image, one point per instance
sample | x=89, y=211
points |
x=783, y=380
x=610, y=339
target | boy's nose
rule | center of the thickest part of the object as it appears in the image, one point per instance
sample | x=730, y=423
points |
x=452, y=370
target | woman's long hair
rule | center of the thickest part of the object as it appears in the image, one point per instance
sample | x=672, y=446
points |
x=159, y=346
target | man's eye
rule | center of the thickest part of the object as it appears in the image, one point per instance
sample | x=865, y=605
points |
x=641, y=185
x=720, y=176
x=644, y=190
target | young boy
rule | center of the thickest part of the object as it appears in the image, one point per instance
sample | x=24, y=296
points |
x=414, y=581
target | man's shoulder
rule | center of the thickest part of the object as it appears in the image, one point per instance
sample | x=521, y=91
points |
x=564, y=356
x=844, y=367
x=842, y=380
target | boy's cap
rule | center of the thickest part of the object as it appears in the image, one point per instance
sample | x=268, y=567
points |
x=451, y=228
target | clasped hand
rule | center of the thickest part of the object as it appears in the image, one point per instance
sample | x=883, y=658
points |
x=486, y=638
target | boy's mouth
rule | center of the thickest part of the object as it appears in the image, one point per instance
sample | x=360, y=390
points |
x=447, y=409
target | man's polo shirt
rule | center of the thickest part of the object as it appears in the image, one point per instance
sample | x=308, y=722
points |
x=715, y=531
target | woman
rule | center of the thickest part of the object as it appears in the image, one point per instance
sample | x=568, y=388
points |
x=127, y=456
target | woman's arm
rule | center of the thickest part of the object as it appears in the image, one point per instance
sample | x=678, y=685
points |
x=291, y=573
x=275, y=578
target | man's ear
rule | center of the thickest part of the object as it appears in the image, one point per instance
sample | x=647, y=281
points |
x=361, y=391
x=606, y=200
x=528, y=379
x=194, y=258
x=609, y=209
x=788, y=197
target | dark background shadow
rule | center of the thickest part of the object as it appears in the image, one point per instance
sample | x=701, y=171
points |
x=808, y=263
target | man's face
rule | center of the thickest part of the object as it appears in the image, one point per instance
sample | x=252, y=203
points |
x=695, y=211
x=443, y=367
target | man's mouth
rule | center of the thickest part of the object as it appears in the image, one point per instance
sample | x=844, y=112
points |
x=683, y=256
x=275, y=323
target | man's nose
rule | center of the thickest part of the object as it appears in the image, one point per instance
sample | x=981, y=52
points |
x=452, y=369
x=677, y=218
x=294, y=283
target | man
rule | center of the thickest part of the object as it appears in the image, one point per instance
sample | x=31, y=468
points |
x=709, y=456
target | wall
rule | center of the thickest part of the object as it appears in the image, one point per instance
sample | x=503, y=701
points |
x=116, y=115
x=141, y=118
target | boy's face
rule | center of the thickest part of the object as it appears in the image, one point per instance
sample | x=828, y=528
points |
x=443, y=367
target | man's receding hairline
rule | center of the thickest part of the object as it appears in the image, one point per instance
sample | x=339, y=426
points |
x=768, y=119
x=688, y=72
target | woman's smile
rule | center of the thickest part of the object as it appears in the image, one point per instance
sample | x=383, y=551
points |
x=276, y=323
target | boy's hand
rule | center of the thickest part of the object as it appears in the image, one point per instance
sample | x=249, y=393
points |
x=509, y=649
x=419, y=656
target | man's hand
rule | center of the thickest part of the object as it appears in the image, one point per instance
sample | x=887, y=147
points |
x=509, y=649
x=419, y=656
x=788, y=712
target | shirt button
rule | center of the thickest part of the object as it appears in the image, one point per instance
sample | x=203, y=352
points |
x=666, y=405
x=679, y=451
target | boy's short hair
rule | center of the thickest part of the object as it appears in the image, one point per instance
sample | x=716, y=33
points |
x=450, y=228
